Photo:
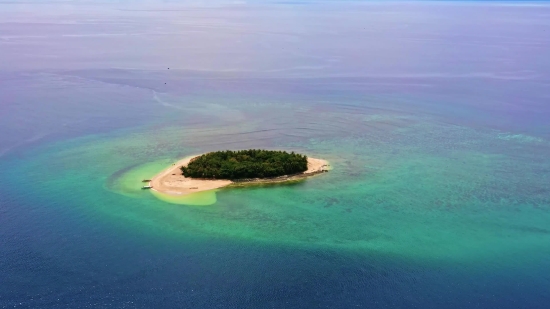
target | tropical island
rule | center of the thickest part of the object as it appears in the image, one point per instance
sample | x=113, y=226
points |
x=253, y=163
x=234, y=168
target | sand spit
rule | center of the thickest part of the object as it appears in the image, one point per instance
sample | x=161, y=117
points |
x=172, y=182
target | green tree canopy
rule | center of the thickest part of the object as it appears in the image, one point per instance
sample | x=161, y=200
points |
x=253, y=163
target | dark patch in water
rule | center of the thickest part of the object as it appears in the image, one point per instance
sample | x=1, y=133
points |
x=112, y=179
x=331, y=201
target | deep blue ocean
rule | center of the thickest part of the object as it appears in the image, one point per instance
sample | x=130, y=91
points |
x=433, y=116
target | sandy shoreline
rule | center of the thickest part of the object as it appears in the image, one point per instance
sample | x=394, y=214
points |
x=170, y=181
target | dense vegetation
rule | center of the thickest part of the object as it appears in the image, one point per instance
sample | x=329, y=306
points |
x=253, y=163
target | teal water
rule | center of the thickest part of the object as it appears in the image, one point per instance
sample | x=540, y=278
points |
x=438, y=197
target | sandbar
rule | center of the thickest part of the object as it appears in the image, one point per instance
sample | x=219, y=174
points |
x=171, y=181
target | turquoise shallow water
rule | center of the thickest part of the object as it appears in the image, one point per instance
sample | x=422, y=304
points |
x=438, y=197
x=389, y=188
x=420, y=201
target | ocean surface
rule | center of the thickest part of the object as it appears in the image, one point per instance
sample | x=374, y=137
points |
x=435, y=118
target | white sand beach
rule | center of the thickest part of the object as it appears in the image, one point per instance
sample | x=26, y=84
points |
x=171, y=181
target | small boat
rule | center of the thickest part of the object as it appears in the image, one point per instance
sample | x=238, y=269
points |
x=146, y=187
x=146, y=180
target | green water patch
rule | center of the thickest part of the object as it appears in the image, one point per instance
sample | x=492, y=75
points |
x=422, y=192
x=203, y=198
x=129, y=182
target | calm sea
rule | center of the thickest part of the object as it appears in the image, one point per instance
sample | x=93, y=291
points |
x=434, y=117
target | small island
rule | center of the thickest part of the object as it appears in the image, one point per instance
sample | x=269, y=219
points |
x=253, y=163
x=218, y=169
